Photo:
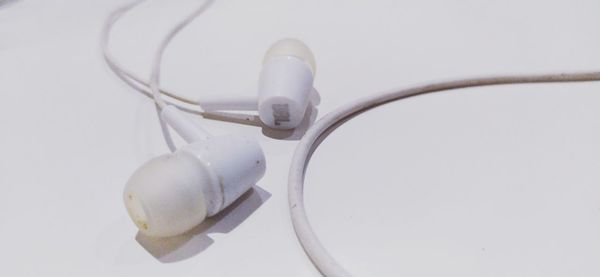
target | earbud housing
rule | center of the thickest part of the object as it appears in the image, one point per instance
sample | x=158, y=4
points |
x=172, y=193
x=285, y=83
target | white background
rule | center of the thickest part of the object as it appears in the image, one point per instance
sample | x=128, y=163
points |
x=500, y=181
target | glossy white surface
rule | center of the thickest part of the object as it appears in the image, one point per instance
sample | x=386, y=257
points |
x=499, y=183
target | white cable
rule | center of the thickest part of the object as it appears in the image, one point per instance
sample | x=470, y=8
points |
x=318, y=132
x=128, y=77
x=137, y=83
x=155, y=75
x=319, y=256
x=142, y=86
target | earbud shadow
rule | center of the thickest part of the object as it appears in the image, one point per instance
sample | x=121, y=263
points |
x=195, y=241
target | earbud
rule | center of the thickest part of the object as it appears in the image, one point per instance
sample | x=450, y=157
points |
x=284, y=87
x=285, y=83
x=173, y=193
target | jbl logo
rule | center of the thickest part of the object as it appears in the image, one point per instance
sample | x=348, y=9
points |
x=281, y=113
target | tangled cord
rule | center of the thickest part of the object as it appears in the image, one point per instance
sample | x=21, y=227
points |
x=319, y=256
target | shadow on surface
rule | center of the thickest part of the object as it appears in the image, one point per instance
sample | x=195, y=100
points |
x=195, y=241
x=6, y=3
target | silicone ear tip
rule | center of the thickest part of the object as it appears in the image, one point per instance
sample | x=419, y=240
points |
x=292, y=47
x=161, y=197
x=172, y=193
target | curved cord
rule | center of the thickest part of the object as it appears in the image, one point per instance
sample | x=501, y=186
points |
x=319, y=256
x=128, y=77
x=142, y=86
x=136, y=82
x=155, y=75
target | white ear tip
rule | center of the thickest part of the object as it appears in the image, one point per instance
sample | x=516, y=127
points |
x=292, y=47
x=162, y=197
x=171, y=194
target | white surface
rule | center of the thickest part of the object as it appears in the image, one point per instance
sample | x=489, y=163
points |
x=501, y=183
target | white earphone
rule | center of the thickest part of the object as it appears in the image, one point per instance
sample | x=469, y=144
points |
x=284, y=87
x=172, y=193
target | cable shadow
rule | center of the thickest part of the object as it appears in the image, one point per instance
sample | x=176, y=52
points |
x=197, y=240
